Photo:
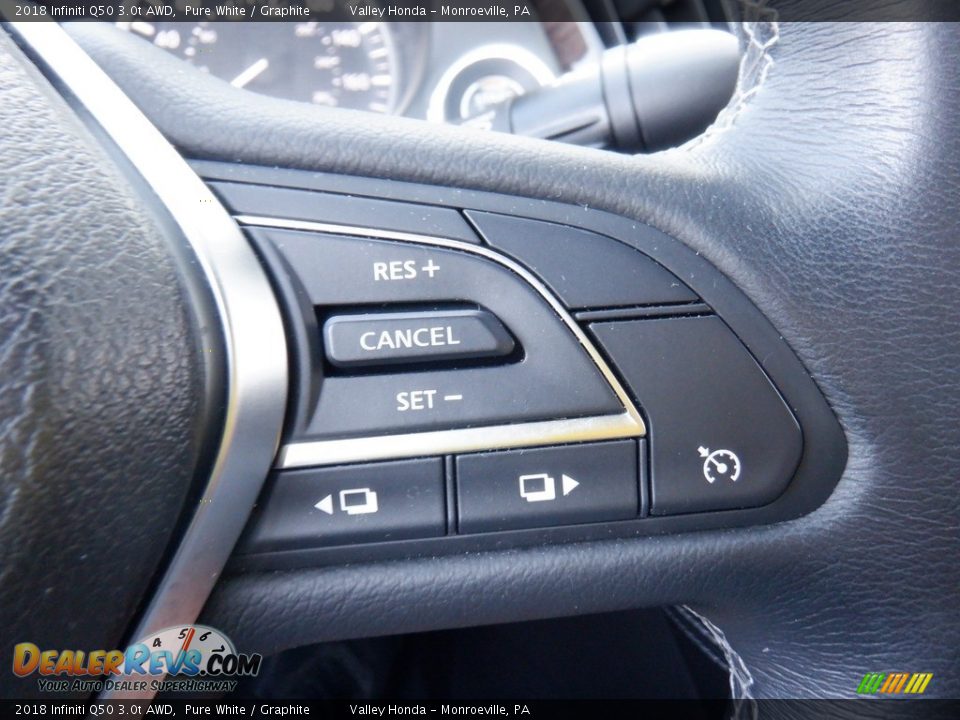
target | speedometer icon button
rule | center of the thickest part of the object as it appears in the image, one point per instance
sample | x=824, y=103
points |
x=719, y=465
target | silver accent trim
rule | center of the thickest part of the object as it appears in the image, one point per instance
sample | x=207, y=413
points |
x=439, y=442
x=256, y=352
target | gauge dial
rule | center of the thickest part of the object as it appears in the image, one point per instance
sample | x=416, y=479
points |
x=339, y=64
x=721, y=465
x=205, y=640
x=482, y=78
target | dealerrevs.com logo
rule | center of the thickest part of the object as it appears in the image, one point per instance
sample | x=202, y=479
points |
x=191, y=658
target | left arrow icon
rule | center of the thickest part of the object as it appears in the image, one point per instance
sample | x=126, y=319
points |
x=326, y=505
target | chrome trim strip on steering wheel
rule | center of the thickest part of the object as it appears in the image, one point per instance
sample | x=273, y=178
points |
x=254, y=339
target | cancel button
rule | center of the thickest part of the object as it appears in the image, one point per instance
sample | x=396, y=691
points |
x=392, y=338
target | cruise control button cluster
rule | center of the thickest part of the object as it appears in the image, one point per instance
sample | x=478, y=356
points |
x=353, y=284
x=459, y=371
x=375, y=339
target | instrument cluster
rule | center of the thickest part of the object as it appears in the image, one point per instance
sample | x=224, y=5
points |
x=444, y=72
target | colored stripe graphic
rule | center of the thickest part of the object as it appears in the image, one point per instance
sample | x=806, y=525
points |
x=871, y=683
x=900, y=683
x=894, y=683
x=890, y=682
x=918, y=683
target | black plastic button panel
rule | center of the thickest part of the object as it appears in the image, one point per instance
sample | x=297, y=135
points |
x=408, y=499
x=721, y=437
x=377, y=502
x=543, y=487
x=553, y=376
x=466, y=322
x=584, y=269
x=372, y=213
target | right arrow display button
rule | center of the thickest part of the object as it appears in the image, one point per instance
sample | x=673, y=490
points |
x=563, y=485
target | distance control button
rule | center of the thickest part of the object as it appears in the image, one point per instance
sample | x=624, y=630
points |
x=584, y=269
x=564, y=485
x=391, y=338
x=355, y=503
x=720, y=435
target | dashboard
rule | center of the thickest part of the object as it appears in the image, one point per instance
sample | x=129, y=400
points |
x=443, y=72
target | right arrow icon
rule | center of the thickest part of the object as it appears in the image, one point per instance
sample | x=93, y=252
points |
x=569, y=484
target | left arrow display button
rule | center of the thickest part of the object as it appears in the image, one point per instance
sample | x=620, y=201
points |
x=376, y=502
x=373, y=339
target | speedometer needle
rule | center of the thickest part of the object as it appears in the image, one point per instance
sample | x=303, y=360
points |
x=251, y=73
